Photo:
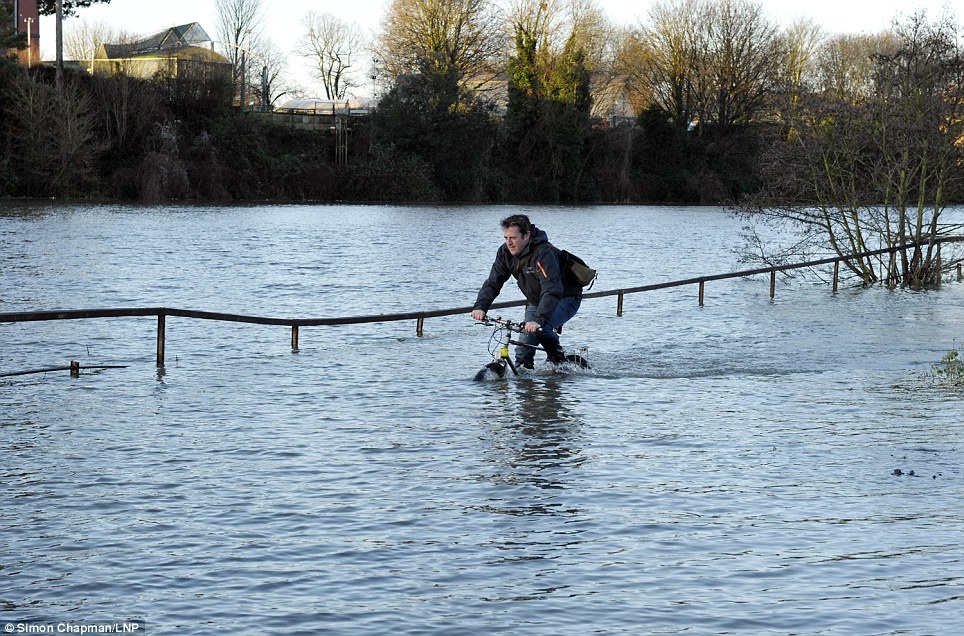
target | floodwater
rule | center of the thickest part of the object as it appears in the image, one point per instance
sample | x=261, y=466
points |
x=730, y=468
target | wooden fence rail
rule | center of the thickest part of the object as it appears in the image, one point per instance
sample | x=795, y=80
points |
x=161, y=313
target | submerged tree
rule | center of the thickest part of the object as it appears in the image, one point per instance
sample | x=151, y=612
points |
x=876, y=173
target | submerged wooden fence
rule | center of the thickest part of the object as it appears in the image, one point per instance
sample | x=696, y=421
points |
x=161, y=313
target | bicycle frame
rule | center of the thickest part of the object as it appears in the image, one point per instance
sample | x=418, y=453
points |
x=502, y=336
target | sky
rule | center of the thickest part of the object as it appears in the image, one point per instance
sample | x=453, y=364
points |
x=144, y=17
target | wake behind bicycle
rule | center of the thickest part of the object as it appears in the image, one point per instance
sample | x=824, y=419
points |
x=499, y=342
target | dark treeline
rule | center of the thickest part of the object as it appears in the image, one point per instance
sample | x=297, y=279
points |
x=724, y=107
x=127, y=138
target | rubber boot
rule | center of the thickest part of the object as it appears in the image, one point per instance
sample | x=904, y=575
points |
x=554, y=351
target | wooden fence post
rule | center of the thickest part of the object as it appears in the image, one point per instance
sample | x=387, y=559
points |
x=161, y=335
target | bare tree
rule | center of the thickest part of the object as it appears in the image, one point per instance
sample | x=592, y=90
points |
x=711, y=62
x=801, y=41
x=442, y=38
x=53, y=132
x=334, y=48
x=83, y=39
x=845, y=64
x=240, y=28
x=631, y=63
x=272, y=81
x=743, y=62
x=595, y=35
x=672, y=50
x=592, y=32
x=920, y=101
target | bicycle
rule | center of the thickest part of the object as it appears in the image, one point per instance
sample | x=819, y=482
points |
x=499, y=343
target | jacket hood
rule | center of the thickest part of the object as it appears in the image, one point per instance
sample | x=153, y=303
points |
x=538, y=237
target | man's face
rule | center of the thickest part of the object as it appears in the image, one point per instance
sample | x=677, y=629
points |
x=515, y=240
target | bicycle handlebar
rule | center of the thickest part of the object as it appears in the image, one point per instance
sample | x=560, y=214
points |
x=517, y=327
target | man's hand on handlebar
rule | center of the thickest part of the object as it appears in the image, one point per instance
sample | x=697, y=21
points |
x=530, y=327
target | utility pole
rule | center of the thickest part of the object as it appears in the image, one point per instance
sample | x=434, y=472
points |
x=29, y=22
x=244, y=73
x=264, y=87
x=59, y=75
x=341, y=139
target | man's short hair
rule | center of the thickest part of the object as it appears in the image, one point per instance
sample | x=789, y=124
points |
x=520, y=221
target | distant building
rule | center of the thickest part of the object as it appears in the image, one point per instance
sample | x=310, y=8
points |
x=26, y=20
x=318, y=106
x=173, y=52
x=314, y=113
x=612, y=100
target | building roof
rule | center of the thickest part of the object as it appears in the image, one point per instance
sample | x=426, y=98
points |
x=327, y=106
x=165, y=41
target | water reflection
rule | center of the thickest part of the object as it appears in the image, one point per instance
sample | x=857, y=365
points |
x=547, y=432
x=535, y=453
x=534, y=448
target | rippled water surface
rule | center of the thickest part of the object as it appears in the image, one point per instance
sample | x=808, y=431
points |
x=723, y=469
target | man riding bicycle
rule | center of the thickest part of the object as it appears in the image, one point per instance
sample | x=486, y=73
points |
x=552, y=298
